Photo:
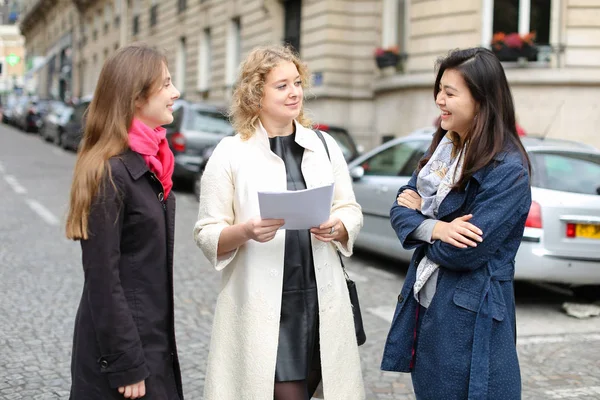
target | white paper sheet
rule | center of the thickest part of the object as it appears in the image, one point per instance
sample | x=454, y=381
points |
x=301, y=209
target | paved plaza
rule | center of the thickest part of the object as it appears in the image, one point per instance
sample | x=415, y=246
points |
x=41, y=281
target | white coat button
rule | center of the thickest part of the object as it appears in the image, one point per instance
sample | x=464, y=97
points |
x=273, y=272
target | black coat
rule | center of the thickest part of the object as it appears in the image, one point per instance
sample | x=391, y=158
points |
x=124, y=329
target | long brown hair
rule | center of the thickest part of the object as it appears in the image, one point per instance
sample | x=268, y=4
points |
x=494, y=129
x=249, y=90
x=131, y=74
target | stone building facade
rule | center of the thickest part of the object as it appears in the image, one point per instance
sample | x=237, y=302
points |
x=12, y=58
x=204, y=41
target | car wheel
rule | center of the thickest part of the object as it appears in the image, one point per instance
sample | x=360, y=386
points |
x=589, y=293
x=62, y=142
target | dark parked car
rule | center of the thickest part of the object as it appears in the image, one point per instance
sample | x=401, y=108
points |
x=349, y=149
x=343, y=139
x=9, y=105
x=73, y=128
x=30, y=118
x=55, y=121
x=195, y=128
x=17, y=110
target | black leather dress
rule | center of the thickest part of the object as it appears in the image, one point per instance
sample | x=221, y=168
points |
x=298, y=349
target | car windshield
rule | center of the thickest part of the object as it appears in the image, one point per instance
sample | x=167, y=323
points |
x=65, y=115
x=209, y=121
x=567, y=172
x=43, y=105
x=344, y=141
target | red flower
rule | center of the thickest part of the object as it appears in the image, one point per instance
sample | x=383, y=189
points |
x=512, y=40
x=379, y=51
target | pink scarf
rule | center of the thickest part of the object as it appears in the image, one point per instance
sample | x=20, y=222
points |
x=153, y=146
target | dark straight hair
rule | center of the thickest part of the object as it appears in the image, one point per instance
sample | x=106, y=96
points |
x=494, y=128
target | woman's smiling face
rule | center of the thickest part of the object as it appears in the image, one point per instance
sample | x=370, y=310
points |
x=283, y=94
x=457, y=105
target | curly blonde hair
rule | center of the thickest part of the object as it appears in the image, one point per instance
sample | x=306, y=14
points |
x=249, y=90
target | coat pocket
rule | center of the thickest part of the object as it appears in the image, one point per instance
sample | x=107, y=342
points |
x=472, y=302
x=467, y=300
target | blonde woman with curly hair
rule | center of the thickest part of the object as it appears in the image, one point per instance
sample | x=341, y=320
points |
x=283, y=320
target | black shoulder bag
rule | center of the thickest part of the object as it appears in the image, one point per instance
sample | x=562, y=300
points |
x=361, y=337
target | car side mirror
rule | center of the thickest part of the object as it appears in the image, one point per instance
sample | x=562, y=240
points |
x=357, y=173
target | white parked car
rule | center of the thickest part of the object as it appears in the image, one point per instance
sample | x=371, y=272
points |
x=561, y=243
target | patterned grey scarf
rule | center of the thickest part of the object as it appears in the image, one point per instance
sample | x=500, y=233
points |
x=434, y=182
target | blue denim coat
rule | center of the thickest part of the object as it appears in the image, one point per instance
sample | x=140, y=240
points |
x=465, y=342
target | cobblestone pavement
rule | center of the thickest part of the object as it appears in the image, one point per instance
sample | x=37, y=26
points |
x=41, y=281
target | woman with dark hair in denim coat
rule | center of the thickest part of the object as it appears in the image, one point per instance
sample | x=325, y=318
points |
x=464, y=212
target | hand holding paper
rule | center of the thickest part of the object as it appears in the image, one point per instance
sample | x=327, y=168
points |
x=301, y=209
x=333, y=229
x=262, y=230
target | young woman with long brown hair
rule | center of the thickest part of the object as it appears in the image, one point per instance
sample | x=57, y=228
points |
x=122, y=211
x=464, y=213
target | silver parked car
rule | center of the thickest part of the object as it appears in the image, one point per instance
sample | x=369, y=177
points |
x=561, y=243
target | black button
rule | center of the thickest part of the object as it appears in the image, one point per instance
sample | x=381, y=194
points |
x=400, y=298
x=161, y=196
x=104, y=363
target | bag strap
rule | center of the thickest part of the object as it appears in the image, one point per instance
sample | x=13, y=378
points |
x=320, y=135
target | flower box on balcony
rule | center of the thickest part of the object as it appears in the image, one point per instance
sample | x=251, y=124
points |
x=513, y=47
x=387, y=59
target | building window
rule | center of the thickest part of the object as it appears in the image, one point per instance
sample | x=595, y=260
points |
x=181, y=5
x=96, y=68
x=97, y=24
x=107, y=17
x=292, y=18
x=394, y=24
x=233, y=51
x=204, y=60
x=153, y=15
x=180, y=65
x=117, y=13
x=135, y=25
x=523, y=16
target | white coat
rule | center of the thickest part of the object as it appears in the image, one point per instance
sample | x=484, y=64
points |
x=243, y=348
